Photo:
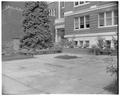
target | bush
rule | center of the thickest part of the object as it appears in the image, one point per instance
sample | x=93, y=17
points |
x=100, y=43
x=115, y=41
x=94, y=50
x=113, y=69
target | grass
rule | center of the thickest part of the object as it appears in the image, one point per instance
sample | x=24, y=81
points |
x=66, y=57
x=15, y=57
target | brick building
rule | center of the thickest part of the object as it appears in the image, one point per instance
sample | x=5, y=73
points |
x=82, y=22
x=85, y=21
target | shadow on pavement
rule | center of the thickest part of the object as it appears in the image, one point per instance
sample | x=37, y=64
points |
x=113, y=87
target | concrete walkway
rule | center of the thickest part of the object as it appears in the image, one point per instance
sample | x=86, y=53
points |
x=45, y=74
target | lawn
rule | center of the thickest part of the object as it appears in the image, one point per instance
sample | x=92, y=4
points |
x=15, y=57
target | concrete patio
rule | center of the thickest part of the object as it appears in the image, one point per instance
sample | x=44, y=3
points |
x=45, y=74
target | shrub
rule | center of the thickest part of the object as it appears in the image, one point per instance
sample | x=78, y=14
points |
x=100, y=43
x=95, y=50
x=113, y=69
x=115, y=41
x=86, y=45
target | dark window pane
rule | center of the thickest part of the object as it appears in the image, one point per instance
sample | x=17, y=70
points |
x=76, y=3
x=81, y=22
x=87, y=21
x=115, y=17
x=101, y=19
x=81, y=2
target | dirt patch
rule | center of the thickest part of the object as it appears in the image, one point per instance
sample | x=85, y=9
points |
x=66, y=57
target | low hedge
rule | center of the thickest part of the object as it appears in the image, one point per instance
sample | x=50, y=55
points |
x=40, y=52
x=98, y=51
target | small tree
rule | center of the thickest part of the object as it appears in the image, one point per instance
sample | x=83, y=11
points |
x=36, y=26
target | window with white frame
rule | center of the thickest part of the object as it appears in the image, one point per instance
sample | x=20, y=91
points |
x=76, y=23
x=108, y=18
x=51, y=12
x=80, y=3
x=101, y=19
x=76, y=3
x=115, y=17
x=87, y=19
x=63, y=4
x=82, y=22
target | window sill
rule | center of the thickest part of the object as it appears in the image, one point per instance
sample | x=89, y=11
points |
x=107, y=26
x=81, y=29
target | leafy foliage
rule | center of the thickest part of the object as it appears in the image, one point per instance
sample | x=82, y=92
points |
x=36, y=26
x=100, y=43
x=115, y=41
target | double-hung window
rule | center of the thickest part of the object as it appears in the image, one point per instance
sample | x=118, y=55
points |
x=115, y=17
x=87, y=19
x=63, y=4
x=52, y=12
x=76, y=23
x=76, y=3
x=108, y=18
x=101, y=19
x=80, y=3
x=82, y=22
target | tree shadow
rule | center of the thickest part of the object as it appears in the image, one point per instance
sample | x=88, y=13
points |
x=113, y=87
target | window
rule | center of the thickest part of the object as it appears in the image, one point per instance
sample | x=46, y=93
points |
x=80, y=3
x=81, y=22
x=63, y=4
x=76, y=23
x=87, y=21
x=81, y=44
x=52, y=12
x=76, y=42
x=109, y=18
x=101, y=19
x=76, y=3
x=115, y=17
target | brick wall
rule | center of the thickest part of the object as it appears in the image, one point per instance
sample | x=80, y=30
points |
x=54, y=5
x=69, y=23
x=69, y=6
x=11, y=24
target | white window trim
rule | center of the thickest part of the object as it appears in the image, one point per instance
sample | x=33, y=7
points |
x=105, y=21
x=112, y=18
x=78, y=23
x=80, y=4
